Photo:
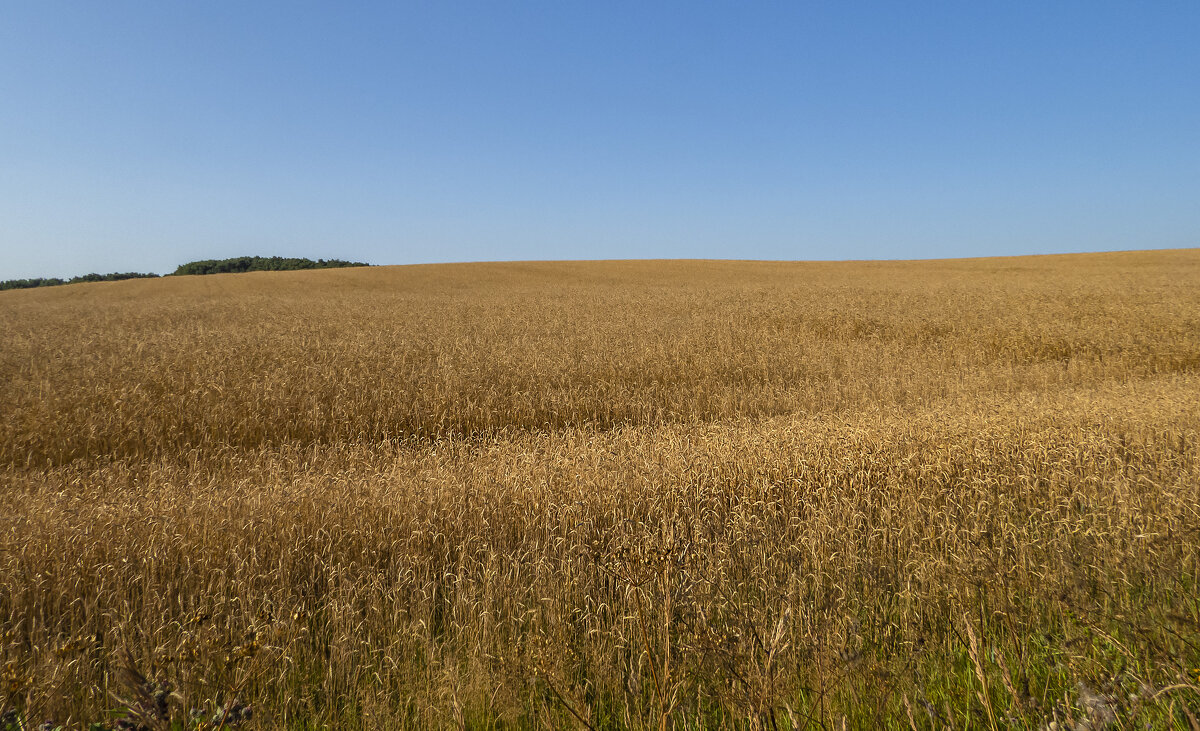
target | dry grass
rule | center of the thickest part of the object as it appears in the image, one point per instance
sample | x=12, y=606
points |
x=608, y=495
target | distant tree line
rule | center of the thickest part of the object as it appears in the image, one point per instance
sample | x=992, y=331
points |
x=207, y=266
x=52, y=281
x=260, y=264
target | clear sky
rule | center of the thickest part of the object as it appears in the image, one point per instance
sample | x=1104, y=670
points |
x=139, y=135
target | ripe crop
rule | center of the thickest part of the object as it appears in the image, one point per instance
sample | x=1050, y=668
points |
x=607, y=495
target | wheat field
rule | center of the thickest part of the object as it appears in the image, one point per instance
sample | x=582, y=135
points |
x=606, y=495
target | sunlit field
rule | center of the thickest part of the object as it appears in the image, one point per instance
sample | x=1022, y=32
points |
x=606, y=495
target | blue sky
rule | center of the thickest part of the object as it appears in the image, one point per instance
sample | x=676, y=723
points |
x=138, y=135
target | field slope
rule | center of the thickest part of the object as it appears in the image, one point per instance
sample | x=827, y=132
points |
x=676, y=494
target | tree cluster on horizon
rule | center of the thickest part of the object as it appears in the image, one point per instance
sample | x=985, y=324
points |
x=205, y=266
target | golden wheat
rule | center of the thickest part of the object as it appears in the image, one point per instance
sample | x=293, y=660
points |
x=609, y=495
